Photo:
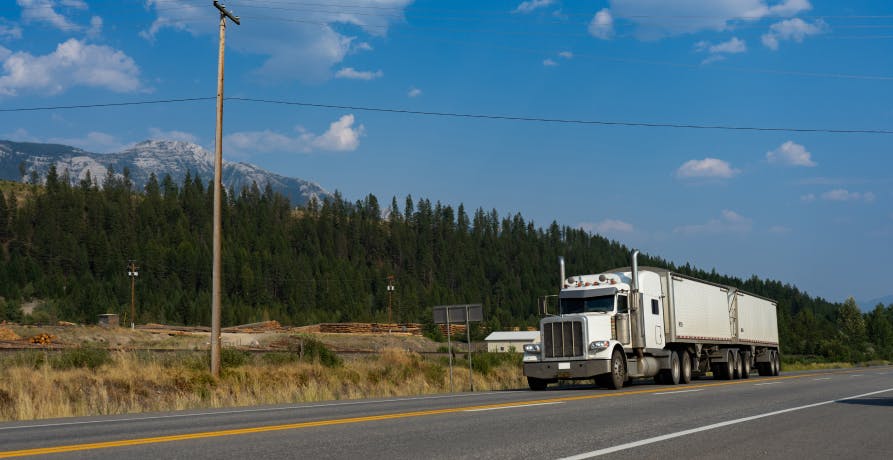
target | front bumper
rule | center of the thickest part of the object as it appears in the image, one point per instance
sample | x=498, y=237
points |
x=567, y=370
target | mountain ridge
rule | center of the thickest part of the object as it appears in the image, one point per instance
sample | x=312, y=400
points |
x=20, y=160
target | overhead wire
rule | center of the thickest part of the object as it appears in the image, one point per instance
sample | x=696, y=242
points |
x=479, y=116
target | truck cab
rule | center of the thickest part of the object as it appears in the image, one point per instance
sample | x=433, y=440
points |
x=592, y=329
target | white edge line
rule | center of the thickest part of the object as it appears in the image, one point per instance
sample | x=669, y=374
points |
x=677, y=391
x=240, y=411
x=823, y=378
x=630, y=445
x=767, y=383
x=519, y=406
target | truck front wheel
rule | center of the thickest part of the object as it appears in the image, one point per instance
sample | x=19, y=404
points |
x=536, y=384
x=617, y=377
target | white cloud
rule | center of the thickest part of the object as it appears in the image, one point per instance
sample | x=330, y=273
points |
x=4, y=53
x=9, y=31
x=718, y=51
x=94, y=141
x=728, y=222
x=353, y=74
x=846, y=195
x=414, y=92
x=157, y=133
x=607, y=227
x=732, y=46
x=73, y=63
x=566, y=54
x=549, y=62
x=790, y=153
x=656, y=19
x=706, y=168
x=45, y=11
x=808, y=198
x=792, y=29
x=362, y=46
x=95, y=29
x=341, y=136
x=532, y=5
x=602, y=25
x=304, y=51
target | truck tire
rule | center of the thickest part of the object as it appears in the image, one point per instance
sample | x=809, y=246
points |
x=536, y=384
x=672, y=376
x=736, y=368
x=745, y=365
x=685, y=368
x=776, y=365
x=726, y=369
x=617, y=377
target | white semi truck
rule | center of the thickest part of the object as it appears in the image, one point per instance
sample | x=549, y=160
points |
x=639, y=322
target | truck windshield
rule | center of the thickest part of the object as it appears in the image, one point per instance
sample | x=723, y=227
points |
x=600, y=304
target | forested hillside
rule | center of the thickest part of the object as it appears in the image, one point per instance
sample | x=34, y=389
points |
x=69, y=246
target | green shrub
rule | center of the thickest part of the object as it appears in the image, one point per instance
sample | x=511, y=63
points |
x=231, y=357
x=312, y=350
x=30, y=358
x=86, y=357
x=485, y=362
x=279, y=359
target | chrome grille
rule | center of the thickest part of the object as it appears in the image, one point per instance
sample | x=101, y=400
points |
x=563, y=339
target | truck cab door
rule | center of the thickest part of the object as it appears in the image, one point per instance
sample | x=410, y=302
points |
x=653, y=312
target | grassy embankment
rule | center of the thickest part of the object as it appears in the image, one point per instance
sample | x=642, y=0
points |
x=93, y=381
x=816, y=363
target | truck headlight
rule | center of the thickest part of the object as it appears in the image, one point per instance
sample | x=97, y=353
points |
x=599, y=345
x=532, y=348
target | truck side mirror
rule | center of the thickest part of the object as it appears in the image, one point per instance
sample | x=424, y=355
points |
x=542, y=307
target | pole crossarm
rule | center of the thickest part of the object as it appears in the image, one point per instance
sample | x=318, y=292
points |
x=226, y=13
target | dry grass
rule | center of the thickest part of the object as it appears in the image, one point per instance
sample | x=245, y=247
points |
x=35, y=387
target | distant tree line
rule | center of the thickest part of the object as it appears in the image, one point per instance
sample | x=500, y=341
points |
x=68, y=246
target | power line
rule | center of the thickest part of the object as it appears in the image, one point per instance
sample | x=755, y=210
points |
x=479, y=116
x=107, y=104
x=564, y=120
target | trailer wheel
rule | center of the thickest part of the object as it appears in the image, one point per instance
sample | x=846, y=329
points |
x=685, y=368
x=726, y=369
x=745, y=365
x=775, y=364
x=736, y=369
x=617, y=377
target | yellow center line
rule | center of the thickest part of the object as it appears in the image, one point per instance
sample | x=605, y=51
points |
x=371, y=418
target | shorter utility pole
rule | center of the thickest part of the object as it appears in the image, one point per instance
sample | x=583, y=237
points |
x=390, y=292
x=132, y=273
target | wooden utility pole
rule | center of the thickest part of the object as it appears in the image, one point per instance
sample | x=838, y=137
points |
x=218, y=186
x=132, y=273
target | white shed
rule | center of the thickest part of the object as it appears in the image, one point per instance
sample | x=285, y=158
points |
x=507, y=341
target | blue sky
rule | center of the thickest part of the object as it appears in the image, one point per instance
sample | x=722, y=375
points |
x=807, y=208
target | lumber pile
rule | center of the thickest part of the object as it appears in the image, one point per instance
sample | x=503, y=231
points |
x=263, y=326
x=370, y=328
x=8, y=334
x=455, y=329
x=42, y=339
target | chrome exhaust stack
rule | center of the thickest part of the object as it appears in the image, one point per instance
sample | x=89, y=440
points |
x=561, y=270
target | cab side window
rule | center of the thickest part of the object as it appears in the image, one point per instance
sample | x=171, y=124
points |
x=655, y=308
x=622, y=305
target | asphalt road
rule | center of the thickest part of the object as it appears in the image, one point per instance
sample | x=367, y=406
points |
x=824, y=414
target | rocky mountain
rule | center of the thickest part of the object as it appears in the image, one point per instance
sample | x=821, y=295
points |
x=19, y=161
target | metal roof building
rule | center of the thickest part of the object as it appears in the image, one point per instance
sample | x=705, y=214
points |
x=507, y=341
